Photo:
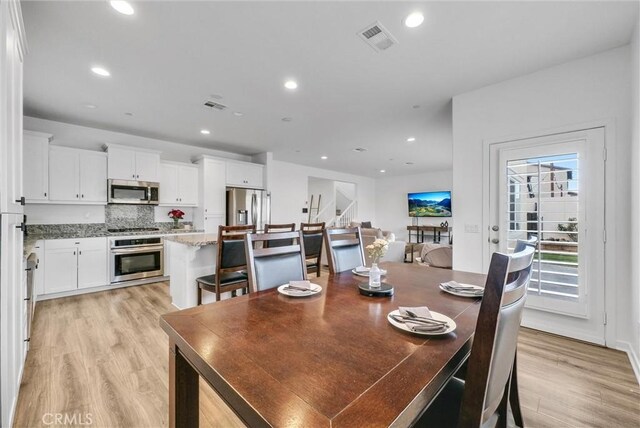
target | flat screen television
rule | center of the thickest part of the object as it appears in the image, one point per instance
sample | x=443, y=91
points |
x=430, y=204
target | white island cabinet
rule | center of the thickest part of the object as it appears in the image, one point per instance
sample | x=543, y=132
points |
x=192, y=256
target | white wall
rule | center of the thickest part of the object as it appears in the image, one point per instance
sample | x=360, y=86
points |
x=586, y=90
x=392, y=210
x=65, y=134
x=635, y=195
x=289, y=191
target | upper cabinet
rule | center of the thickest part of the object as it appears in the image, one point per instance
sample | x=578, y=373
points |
x=36, y=166
x=245, y=174
x=77, y=176
x=133, y=164
x=178, y=184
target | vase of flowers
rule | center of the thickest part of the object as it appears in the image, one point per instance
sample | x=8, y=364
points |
x=176, y=215
x=376, y=251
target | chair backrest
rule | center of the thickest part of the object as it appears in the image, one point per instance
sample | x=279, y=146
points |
x=312, y=238
x=278, y=228
x=437, y=255
x=231, y=249
x=270, y=266
x=496, y=336
x=344, y=249
x=521, y=244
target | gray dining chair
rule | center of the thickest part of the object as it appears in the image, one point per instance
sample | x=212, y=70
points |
x=344, y=249
x=481, y=399
x=271, y=266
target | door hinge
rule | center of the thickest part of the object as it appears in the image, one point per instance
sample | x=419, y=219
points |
x=604, y=318
x=604, y=154
x=604, y=236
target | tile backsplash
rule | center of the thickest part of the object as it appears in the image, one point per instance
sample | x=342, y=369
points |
x=121, y=216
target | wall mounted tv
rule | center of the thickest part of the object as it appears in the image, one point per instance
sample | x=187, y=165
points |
x=430, y=204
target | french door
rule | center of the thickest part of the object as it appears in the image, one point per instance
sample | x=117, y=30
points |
x=552, y=187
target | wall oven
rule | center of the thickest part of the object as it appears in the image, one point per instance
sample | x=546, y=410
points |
x=133, y=192
x=136, y=258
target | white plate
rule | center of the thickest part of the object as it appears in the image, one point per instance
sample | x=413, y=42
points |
x=462, y=293
x=315, y=289
x=366, y=272
x=435, y=315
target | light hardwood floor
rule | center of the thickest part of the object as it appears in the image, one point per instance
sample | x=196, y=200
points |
x=104, y=354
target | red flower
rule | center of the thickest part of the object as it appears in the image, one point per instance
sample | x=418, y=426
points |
x=179, y=214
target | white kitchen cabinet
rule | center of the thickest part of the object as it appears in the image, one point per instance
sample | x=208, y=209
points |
x=38, y=273
x=126, y=163
x=78, y=176
x=61, y=265
x=35, y=170
x=178, y=184
x=93, y=177
x=245, y=174
x=92, y=262
x=75, y=263
x=212, y=222
x=212, y=174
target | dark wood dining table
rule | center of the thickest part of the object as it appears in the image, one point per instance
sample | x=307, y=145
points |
x=329, y=360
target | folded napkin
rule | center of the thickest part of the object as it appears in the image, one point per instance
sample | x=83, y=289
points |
x=362, y=269
x=462, y=288
x=300, y=284
x=422, y=312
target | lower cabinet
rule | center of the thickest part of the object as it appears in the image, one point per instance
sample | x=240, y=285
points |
x=75, y=263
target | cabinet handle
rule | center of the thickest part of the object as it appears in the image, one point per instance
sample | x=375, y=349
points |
x=45, y=194
x=28, y=340
x=79, y=253
x=77, y=196
x=22, y=227
x=133, y=176
x=27, y=299
x=21, y=200
x=137, y=176
x=74, y=253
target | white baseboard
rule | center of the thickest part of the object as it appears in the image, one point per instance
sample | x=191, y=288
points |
x=561, y=331
x=633, y=357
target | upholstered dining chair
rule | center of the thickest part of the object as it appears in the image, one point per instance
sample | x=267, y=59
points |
x=482, y=399
x=344, y=249
x=230, y=274
x=271, y=266
x=312, y=239
x=277, y=228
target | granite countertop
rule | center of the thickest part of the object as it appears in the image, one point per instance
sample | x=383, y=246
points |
x=195, y=240
x=30, y=240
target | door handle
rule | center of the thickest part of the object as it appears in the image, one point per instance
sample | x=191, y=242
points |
x=495, y=228
x=495, y=241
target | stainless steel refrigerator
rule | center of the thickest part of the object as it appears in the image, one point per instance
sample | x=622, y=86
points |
x=248, y=206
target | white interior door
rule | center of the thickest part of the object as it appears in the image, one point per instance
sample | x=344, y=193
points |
x=552, y=187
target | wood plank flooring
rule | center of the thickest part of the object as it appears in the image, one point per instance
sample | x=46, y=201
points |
x=103, y=357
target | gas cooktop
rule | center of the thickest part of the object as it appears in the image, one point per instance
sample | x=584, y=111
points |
x=134, y=229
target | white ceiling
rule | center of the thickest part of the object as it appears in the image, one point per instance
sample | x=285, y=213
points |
x=170, y=57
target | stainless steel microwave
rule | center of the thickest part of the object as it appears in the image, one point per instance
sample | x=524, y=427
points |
x=133, y=192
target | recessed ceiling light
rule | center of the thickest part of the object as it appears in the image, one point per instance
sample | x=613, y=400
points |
x=291, y=84
x=414, y=20
x=323, y=157
x=101, y=71
x=205, y=132
x=238, y=113
x=360, y=149
x=411, y=139
x=91, y=106
x=383, y=170
x=122, y=6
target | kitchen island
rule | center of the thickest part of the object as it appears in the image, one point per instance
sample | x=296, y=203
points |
x=190, y=256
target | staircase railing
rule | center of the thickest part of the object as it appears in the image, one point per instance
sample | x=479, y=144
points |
x=347, y=215
x=317, y=218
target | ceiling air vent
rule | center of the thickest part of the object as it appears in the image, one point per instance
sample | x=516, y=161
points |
x=378, y=37
x=215, y=105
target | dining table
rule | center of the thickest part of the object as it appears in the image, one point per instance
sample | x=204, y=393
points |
x=331, y=359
